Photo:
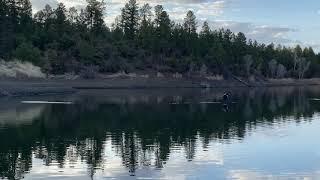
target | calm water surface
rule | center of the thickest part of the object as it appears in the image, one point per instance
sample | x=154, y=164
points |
x=163, y=134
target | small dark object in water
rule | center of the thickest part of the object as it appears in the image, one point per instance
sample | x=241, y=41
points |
x=225, y=108
x=226, y=101
x=226, y=97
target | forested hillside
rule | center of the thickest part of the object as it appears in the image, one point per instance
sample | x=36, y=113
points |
x=142, y=38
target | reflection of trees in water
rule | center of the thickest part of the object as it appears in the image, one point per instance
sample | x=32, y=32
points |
x=14, y=163
x=142, y=133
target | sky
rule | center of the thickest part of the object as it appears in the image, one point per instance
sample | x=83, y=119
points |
x=285, y=22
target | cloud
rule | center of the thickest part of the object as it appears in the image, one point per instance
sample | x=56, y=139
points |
x=261, y=33
x=73, y=3
x=176, y=8
x=250, y=174
x=211, y=9
x=277, y=35
x=40, y=4
x=265, y=33
x=314, y=45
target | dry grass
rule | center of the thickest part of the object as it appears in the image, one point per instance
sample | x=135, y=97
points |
x=285, y=80
x=215, y=78
x=124, y=75
x=18, y=69
x=177, y=75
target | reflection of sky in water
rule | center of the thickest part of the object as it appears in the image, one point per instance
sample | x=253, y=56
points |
x=287, y=149
x=268, y=135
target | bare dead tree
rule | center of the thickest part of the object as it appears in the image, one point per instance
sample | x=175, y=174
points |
x=295, y=61
x=273, y=64
x=281, y=71
x=248, y=63
x=303, y=67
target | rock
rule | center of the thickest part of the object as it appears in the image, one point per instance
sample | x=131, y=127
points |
x=177, y=75
x=160, y=75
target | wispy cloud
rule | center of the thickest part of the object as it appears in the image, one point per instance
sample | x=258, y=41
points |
x=40, y=4
x=176, y=8
x=262, y=33
x=265, y=33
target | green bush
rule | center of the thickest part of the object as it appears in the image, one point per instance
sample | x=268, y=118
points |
x=27, y=52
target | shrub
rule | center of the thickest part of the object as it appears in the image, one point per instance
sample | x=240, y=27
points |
x=27, y=52
x=89, y=72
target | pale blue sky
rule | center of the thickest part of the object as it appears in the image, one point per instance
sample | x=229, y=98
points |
x=287, y=22
x=302, y=17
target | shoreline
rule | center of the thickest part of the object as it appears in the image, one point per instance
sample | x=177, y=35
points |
x=38, y=87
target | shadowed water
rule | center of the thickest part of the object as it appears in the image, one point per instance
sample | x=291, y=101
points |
x=163, y=134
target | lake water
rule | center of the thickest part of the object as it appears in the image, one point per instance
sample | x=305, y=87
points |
x=163, y=134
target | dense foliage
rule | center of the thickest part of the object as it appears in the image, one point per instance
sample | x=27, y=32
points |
x=64, y=40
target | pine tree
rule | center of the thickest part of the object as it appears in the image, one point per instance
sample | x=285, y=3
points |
x=73, y=15
x=146, y=28
x=94, y=15
x=240, y=47
x=24, y=9
x=162, y=23
x=190, y=24
x=60, y=18
x=190, y=29
x=145, y=13
x=60, y=14
x=8, y=27
x=130, y=19
x=205, y=31
x=205, y=39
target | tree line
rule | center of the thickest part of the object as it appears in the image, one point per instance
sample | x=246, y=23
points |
x=142, y=38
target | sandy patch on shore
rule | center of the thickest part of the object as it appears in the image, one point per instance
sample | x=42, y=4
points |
x=18, y=69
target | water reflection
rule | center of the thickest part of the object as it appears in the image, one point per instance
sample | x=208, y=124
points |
x=170, y=134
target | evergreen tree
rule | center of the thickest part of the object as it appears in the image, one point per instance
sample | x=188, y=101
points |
x=146, y=28
x=94, y=15
x=205, y=39
x=145, y=13
x=130, y=19
x=190, y=33
x=298, y=51
x=162, y=23
x=8, y=27
x=24, y=9
x=60, y=14
x=240, y=47
x=72, y=16
x=205, y=31
x=162, y=33
x=60, y=18
x=190, y=24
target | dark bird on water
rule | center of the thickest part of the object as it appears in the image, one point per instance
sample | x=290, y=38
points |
x=226, y=101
